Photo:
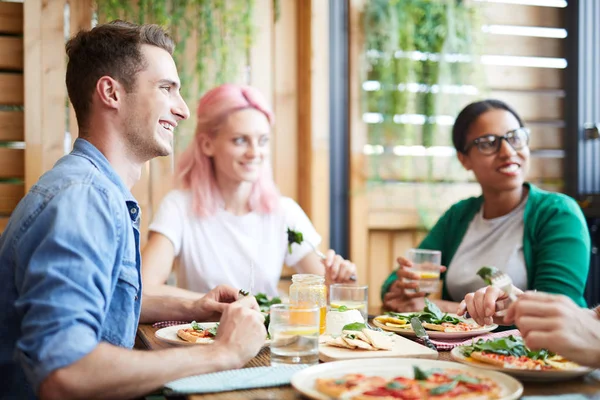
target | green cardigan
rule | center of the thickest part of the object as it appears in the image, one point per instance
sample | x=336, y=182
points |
x=556, y=242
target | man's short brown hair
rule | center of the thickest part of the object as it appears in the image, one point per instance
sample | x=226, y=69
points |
x=112, y=49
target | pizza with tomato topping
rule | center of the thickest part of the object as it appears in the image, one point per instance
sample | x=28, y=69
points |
x=511, y=352
x=434, y=384
x=197, y=334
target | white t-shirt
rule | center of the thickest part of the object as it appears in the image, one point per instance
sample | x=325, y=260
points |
x=496, y=242
x=246, y=252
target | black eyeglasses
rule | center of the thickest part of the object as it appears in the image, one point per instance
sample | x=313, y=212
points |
x=490, y=144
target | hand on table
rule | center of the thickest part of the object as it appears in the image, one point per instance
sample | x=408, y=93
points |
x=403, y=294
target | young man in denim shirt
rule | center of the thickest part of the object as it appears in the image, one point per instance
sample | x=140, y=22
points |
x=70, y=292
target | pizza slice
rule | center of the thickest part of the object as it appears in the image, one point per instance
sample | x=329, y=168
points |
x=394, y=389
x=512, y=362
x=337, y=387
x=197, y=334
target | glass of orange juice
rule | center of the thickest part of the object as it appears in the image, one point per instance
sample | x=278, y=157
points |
x=426, y=264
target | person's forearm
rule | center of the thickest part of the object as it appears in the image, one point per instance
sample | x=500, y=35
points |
x=169, y=290
x=162, y=308
x=131, y=373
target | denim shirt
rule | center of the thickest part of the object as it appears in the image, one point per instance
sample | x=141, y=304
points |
x=69, y=270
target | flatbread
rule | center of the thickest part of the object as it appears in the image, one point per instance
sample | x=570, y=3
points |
x=193, y=336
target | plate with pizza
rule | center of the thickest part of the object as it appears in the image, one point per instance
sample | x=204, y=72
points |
x=438, y=324
x=403, y=378
x=511, y=355
x=188, y=334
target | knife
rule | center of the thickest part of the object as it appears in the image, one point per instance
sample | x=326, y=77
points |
x=421, y=332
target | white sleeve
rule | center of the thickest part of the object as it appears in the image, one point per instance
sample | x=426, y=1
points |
x=297, y=220
x=170, y=218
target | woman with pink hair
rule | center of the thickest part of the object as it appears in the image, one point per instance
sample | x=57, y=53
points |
x=227, y=222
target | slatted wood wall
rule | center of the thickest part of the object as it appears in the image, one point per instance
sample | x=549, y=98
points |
x=12, y=164
x=395, y=216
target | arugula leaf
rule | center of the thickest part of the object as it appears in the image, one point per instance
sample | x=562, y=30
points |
x=443, y=388
x=294, y=237
x=395, y=385
x=264, y=303
x=196, y=326
x=213, y=331
x=355, y=326
x=420, y=374
x=466, y=379
x=508, y=346
x=432, y=308
x=486, y=274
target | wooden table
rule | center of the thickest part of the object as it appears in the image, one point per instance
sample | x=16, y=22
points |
x=589, y=385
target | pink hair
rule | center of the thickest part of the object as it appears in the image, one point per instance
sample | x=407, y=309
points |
x=195, y=170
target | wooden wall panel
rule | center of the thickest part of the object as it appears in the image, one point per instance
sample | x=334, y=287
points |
x=3, y=223
x=10, y=195
x=11, y=53
x=380, y=255
x=11, y=126
x=12, y=163
x=11, y=18
x=521, y=15
x=523, y=78
x=532, y=106
x=11, y=88
x=524, y=46
x=285, y=156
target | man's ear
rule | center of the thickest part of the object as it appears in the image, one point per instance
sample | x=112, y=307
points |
x=109, y=91
x=206, y=145
x=465, y=160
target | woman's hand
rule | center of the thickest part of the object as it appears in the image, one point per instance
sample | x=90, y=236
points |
x=485, y=304
x=556, y=323
x=338, y=270
x=403, y=294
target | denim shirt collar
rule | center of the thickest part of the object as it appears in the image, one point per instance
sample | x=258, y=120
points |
x=85, y=149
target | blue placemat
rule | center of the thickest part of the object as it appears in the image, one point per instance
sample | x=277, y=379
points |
x=573, y=396
x=245, y=378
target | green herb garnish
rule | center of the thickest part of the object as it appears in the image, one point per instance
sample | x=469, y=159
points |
x=355, y=326
x=443, y=388
x=430, y=314
x=486, y=274
x=294, y=237
x=508, y=346
x=395, y=385
x=342, y=308
x=420, y=375
x=265, y=303
x=212, y=331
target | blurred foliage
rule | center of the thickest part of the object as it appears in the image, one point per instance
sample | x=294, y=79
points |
x=222, y=31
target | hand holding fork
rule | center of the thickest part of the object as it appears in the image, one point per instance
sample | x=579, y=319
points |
x=487, y=305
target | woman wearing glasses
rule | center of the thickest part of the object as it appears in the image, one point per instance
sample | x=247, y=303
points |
x=540, y=239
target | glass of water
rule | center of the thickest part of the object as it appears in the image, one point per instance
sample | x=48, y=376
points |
x=294, y=333
x=353, y=297
x=426, y=264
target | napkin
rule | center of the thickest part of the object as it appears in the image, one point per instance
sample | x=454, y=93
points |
x=164, y=324
x=450, y=344
x=236, y=379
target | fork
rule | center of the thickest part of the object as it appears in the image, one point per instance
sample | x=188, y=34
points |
x=502, y=281
x=323, y=257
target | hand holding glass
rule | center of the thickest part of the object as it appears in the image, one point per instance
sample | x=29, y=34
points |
x=294, y=333
x=426, y=264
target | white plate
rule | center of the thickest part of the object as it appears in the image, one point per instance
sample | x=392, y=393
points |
x=304, y=381
x=526, y=375
x=169, y=334
x=437, y=334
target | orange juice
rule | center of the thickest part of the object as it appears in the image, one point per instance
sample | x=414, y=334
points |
x=308, y=290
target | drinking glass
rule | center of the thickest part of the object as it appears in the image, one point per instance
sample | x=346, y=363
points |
x=294, y=333
x=426, y=264
x=354, y=297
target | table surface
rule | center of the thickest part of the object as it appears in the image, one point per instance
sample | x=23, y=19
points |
x=146, y=340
